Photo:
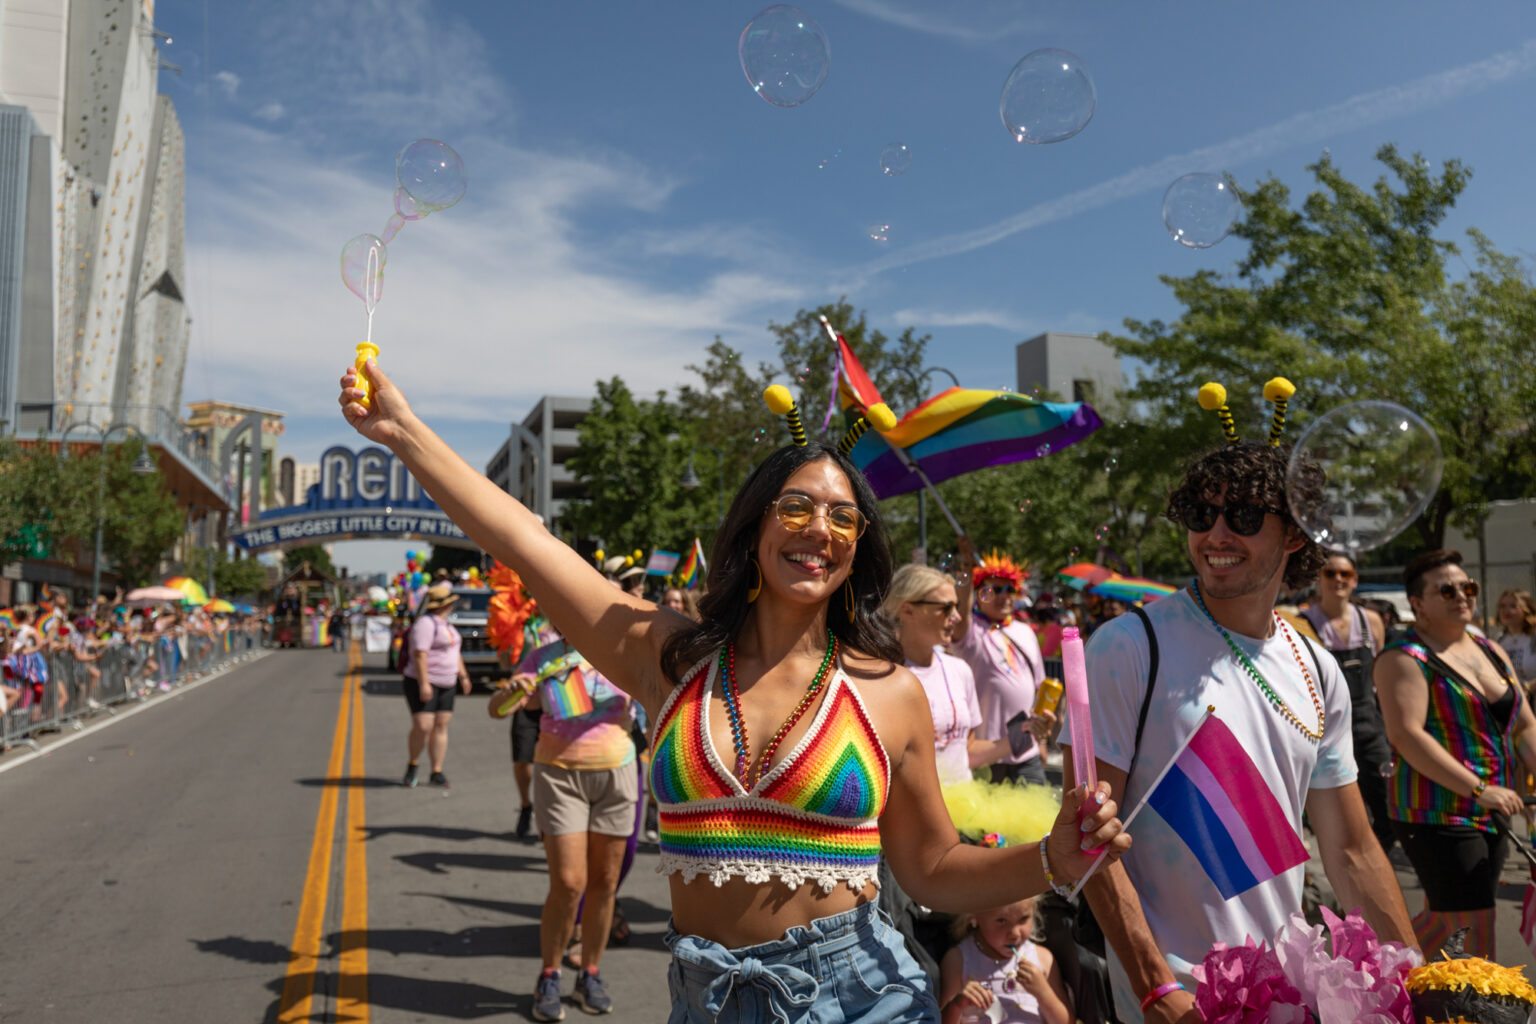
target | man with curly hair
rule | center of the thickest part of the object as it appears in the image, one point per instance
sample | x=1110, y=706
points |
x=1219, y=643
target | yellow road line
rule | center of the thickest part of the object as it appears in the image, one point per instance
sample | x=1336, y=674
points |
x=352, y=985
x=304, y=954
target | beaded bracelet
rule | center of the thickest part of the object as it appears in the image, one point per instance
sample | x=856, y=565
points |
x=1045, y=866
x=1158, y=993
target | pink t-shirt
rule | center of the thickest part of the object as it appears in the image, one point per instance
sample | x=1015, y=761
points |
x=951, y=691
x=441, y=642
x=1007, y=665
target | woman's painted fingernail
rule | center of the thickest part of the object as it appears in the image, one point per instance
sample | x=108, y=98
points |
x=1099, y=798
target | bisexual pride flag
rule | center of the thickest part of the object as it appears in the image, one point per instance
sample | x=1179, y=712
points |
x=1213, y=797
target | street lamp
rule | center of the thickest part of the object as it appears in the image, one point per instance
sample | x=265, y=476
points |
x=143, y=466
x=690, y=478
x=917, y=379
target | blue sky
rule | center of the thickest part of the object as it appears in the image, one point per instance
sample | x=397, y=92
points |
x=630, y=197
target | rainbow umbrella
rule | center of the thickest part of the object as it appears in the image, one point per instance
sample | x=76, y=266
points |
x=219, y=606
x=1084, y=574
x=1131, y=588
x=192, y=592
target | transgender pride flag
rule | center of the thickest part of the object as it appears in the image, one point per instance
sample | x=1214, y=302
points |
x=1213, y=797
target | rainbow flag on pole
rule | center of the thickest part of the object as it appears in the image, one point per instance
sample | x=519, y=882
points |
x=1213, y=797
x=692, y=567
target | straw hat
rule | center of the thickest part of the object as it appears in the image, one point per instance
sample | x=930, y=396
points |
x=439, y=595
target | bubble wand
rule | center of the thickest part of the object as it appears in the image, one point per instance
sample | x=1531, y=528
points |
x=1075, y=672
x=429, y=176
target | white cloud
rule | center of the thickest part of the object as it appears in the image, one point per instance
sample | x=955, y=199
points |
x=485, y=307
x=227, y=81
x=976, y=22
x=271, y=111
x=1352, y=114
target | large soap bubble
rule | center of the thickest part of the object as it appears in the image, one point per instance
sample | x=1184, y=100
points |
x=1383, y=466
x=1048, y=97
x=362, y=268
x=785, y=55
x=1200, y=209
x=431, y=174
x=895, y=159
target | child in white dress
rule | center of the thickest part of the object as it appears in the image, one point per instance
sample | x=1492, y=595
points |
x=998, y=974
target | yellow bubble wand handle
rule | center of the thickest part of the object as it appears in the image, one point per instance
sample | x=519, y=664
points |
x=365, y=351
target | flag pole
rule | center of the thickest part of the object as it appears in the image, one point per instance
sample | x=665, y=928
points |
x=901, y=453
x=1125, y=825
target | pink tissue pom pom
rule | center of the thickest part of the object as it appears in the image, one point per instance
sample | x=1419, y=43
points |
x=1245, y=985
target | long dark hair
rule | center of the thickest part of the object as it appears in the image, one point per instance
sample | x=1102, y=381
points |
x=724, y=606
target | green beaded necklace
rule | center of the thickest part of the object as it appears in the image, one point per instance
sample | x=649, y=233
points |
x=1275, y=700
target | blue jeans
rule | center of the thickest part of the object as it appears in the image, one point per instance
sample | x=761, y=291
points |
x=852, y=966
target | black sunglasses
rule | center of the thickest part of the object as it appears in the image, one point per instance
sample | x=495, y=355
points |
x=1469, y=588
x=948, y=607
x=1243, y=520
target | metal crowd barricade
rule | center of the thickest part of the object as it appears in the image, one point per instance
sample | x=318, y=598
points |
x=127, y=672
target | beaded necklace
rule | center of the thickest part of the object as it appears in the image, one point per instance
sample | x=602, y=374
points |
x=744, y=771
x=1275, y=700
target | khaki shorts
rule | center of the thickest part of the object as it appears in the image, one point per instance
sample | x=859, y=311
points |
x=567, y=801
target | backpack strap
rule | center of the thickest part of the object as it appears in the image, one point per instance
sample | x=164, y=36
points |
x=1146, y=700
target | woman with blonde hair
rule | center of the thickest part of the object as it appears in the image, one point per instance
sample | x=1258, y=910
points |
x=923, y=603
x=1517, y=614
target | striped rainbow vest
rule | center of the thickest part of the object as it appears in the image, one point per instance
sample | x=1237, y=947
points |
x=812, y=817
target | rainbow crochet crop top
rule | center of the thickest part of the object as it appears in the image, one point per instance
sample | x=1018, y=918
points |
x=813, y=816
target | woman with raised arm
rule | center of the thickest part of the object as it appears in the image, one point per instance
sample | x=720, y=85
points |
x=790, y=745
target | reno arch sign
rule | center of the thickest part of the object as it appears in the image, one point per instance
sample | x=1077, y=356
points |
x=362, y=495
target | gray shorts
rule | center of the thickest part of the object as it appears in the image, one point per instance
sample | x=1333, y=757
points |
x=567, y=801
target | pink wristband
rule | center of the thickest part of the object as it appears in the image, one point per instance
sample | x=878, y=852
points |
x=1158, y=993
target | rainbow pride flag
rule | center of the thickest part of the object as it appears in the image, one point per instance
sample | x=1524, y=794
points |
x=957, y=431
x=1213, y=797
x=692, y=568
x=566, y=696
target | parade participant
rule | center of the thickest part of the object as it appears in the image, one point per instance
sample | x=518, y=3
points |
x=1355, y=635
x=435, y=665
x=1462, y=728
x=1517, y=615
x=585, y=791
x=997, y=973
x=681, y=601
x=771, y=867
x=1004, y=656
x=924, y=605
x=1219, y=642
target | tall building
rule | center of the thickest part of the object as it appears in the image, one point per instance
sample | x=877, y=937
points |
x=93, y=322
x=530, y=464
x=1075, y=367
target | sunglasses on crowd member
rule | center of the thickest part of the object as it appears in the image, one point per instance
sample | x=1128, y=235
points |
x=1469, y=589
x=947, y=607
x=1243, y=520
x=1333, y=574
x=795, y=511
x=994, y=588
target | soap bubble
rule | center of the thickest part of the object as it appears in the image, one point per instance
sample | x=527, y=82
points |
x=1111, y=464
x=878, y=232
x=785, y=55
x=1042, y=451
x=759, y=435
x=802, y=373
x=1383, y=466
x=432, y=176
x=826, y=161
x=895, y=159
x=1048, y=97
x=362, y=268
x=1200, y=210
x=1025, y=505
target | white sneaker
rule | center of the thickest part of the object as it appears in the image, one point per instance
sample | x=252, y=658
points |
x=93, y=704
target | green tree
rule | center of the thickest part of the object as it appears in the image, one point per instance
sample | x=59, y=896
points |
x=141, y=520
x=314, y=554
x=1350, y=297
x=632, y=454
x=232, y=577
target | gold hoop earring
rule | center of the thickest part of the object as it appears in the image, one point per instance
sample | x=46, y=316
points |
x=848, y=604
x=757, y=587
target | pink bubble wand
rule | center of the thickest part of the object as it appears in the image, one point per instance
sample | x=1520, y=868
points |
x=1075, y=672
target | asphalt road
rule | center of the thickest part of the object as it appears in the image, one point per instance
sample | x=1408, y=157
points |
x=164, y=866
x=232, y=853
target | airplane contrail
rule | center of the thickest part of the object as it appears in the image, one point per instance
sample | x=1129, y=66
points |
x=1358, y=111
